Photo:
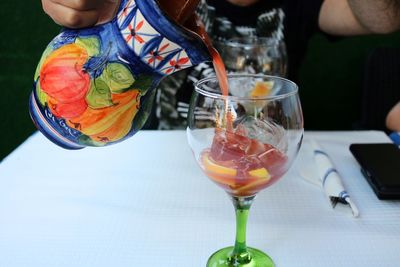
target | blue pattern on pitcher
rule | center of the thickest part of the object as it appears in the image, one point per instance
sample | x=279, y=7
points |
x=95, y=86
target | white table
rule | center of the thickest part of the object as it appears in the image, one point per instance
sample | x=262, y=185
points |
x=145, y=202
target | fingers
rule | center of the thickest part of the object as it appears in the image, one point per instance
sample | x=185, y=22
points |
x=70, y=17
x=80, y=13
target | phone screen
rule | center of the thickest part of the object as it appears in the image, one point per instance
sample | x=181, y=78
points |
x=380, y=164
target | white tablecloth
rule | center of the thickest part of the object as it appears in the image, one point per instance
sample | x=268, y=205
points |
x=145, y=202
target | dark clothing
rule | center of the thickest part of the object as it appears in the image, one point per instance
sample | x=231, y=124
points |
x=299, y=23
x=245, y=16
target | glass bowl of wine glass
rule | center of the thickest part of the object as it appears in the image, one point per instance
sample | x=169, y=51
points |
x=244, y=142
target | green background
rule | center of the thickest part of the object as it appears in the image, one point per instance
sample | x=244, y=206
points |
x=330, y=83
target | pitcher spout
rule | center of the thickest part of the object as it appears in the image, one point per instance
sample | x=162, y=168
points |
x=182, y=45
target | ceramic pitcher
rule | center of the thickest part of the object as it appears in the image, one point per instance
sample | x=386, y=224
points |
x=95, y=86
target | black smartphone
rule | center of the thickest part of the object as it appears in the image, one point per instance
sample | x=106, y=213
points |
x=380, y=164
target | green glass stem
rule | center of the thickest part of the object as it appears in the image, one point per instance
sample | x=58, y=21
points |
x=240, y=253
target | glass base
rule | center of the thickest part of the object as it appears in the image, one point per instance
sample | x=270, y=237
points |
x=254, y=258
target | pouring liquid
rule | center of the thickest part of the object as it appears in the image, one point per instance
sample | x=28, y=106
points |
x=183, y=12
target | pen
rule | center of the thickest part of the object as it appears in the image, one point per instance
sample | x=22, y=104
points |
x=330, y=179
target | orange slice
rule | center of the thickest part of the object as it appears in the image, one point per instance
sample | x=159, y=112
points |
x=261, y=173
x=262, y=177
x=262, y=89
x=213, y=167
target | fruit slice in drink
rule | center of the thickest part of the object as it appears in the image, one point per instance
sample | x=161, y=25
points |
x=241, y=165
x=235, y=181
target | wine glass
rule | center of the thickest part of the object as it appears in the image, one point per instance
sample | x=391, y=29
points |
x=254, y=55
x=244, y=142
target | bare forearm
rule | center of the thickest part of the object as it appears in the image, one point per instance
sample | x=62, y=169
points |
x=377, y=16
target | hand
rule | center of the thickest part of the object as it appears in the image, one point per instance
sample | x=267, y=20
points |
x=243, y=2
x=80, y=14
x=393, y=118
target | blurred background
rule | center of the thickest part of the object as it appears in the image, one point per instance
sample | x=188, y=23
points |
x=331, y=83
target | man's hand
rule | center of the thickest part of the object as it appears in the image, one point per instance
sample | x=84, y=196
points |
x=80, y=13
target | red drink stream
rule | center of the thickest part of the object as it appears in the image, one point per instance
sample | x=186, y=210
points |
x=239, y=164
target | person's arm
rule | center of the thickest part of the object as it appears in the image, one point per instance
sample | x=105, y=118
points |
x=393, y=119
x=351, y=17
x=79, y=14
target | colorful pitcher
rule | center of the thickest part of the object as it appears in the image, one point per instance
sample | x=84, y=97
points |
x=95, y=86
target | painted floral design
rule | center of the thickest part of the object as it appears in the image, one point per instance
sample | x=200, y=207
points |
x=95, y=96
x=95, y=86
x=162, y=54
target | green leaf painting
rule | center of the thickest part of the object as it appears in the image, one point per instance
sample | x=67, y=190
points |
x=145, y=110
x=99, y=95
x=91, y=44
x=118, y=77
